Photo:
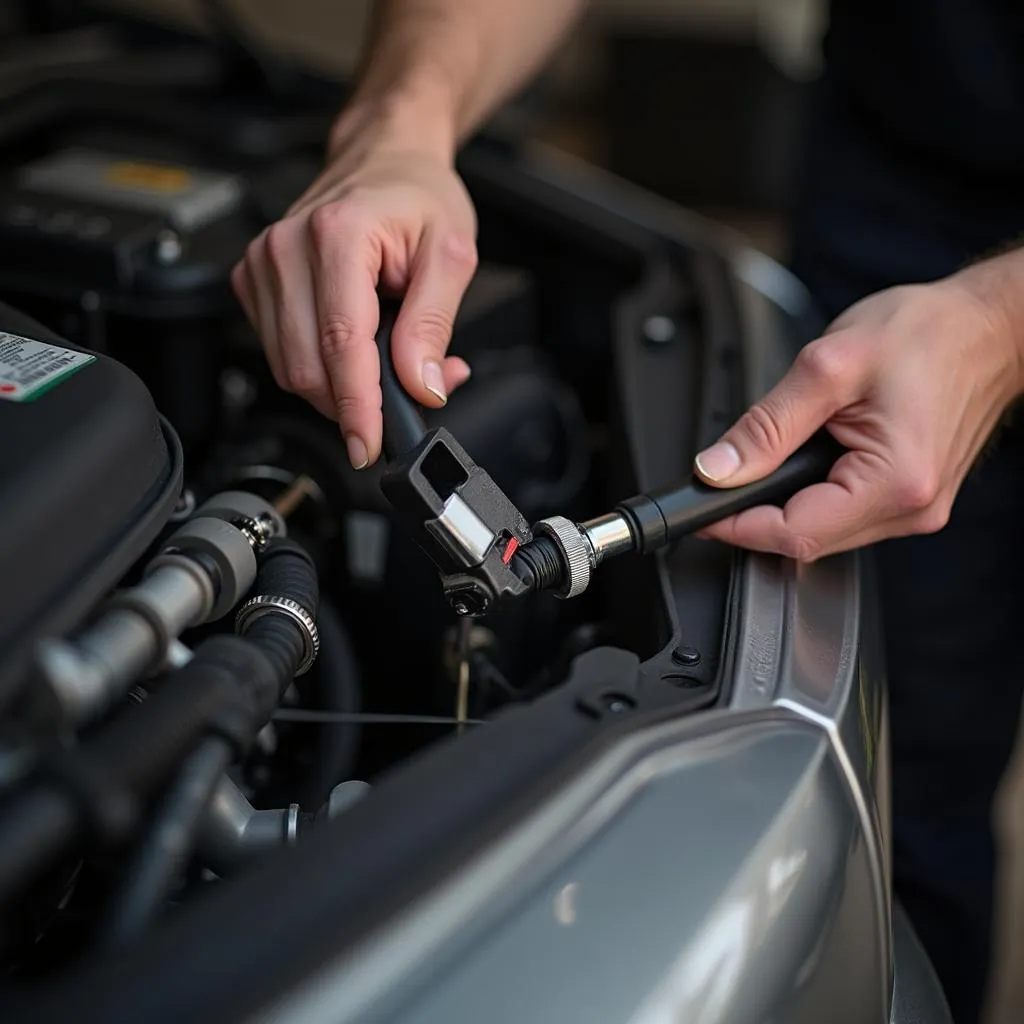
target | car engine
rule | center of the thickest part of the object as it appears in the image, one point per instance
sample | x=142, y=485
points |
x=217, y=642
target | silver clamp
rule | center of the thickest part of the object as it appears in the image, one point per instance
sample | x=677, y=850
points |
x=269, y=604
x=575, y=550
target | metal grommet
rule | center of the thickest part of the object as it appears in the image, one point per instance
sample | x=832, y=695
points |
x=271, y=604
x=575, y=550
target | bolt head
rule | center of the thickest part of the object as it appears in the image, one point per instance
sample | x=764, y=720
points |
x=168, y=249
x=684, y=655
x=659, y=330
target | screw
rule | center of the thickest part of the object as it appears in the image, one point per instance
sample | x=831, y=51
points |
x=616, y=703
x=461, y=608
x=684, y=655
x=659, y=330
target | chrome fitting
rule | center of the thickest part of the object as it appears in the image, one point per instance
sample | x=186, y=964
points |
x=607, y=536
x=576, y=552
x=257, y=531
x=270, y=604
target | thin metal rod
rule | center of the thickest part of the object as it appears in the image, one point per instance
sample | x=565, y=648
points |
x=301, y=488
x=366, y=718
x=462, y=694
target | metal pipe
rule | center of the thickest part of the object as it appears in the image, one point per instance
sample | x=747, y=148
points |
x=232, y=831
x=87, y=675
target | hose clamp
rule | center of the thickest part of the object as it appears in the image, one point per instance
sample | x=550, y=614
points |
x=270, y=604
x=575, y=551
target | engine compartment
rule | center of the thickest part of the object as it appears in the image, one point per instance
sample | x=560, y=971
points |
x=604, y=355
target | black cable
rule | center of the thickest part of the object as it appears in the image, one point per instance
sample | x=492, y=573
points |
x=403, y=424
x=366, y=718
x=168, y=845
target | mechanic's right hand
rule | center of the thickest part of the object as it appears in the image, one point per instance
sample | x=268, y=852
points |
x=381, y=214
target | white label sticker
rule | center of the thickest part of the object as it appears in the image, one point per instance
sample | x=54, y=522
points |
x=28, y=368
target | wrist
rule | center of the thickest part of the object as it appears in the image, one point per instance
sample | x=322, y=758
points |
x=415, y=114
x=995, y=288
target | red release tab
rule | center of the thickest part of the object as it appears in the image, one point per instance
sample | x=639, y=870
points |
x=510, y=550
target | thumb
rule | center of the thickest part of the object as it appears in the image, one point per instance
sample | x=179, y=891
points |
x=820, y=383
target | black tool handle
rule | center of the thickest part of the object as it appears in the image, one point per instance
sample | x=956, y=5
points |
x=659, y=519
x=403, y=424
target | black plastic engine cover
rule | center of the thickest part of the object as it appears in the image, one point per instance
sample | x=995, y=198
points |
x=88, y=476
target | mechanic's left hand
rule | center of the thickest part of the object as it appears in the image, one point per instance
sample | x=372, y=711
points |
x=912, y=381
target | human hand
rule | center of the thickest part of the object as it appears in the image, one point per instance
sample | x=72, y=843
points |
x=389, y=211
x=912, y=381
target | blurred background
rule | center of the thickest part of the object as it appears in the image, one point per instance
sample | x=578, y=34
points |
x=702, y=101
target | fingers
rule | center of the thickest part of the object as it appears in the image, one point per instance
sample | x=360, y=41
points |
x=866, y=499
x=348, y=313
x=444, y=266
x=249, y=280
x=823, y=380
x=290, y=283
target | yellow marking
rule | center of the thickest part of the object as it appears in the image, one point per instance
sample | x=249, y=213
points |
x=152, y=177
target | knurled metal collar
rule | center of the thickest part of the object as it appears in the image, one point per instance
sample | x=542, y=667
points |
x=270, y=604
x=575, y=550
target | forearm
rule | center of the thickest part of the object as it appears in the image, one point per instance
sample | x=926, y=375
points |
x=432, y=70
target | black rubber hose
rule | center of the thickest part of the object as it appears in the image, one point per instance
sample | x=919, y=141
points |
x=337, y=687
x=168, y=846
x=99, y=790
x=403, y=424
x=231, y=688
x=285, y=571
x=32, y=828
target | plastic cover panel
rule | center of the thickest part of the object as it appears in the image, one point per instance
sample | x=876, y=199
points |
x=87, y=477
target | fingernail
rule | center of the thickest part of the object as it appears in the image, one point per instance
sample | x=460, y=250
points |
x=719, y=462
x=433, y=380
x=357, y=453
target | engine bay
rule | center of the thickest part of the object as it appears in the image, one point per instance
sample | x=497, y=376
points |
x=604, y=355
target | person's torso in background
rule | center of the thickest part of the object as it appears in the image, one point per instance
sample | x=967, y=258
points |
x=916, y=156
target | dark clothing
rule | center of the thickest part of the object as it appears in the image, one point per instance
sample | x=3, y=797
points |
x=916, y=166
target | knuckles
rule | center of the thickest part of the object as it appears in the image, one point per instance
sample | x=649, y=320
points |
x=434, y=327
x=801, y=548
x=933, y=519
x=333, y=221
x=916, y=491
x=305, y=380
x=762, y=425
x=350, y=404
x=828, y=363
x=461, y=252
x=339, y=335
